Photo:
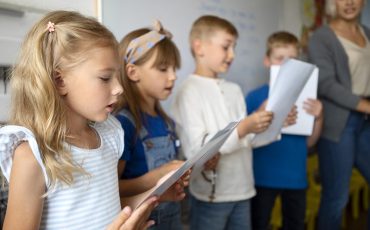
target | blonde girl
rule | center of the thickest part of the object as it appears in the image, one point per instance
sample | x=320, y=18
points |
x=61, y=149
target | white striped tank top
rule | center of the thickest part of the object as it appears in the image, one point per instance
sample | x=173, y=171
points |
x=92, y=202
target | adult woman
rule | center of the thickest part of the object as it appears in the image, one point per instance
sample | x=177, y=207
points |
x=341, y=50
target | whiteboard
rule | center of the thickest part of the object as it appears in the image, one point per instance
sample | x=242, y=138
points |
x=14, y=27
x=254, y=19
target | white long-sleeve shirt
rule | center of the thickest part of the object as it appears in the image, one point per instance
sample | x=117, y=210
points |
x=201, y=107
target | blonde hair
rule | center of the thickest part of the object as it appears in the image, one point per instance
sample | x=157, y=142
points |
x=166, y=53
x=281, y=39
x=36, y=103
x=206, y=25
x=331, y=8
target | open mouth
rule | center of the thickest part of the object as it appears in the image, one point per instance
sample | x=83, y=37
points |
x=110, y=107
x=350, y=10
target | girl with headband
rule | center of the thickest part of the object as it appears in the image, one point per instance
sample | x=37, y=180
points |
x=150, y=60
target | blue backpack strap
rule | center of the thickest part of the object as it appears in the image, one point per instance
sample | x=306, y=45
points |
x=126, y=113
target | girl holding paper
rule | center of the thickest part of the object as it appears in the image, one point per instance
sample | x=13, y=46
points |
x=60, y=151
x=150, y=60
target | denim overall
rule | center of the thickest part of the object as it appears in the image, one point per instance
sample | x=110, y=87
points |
x=158, y=151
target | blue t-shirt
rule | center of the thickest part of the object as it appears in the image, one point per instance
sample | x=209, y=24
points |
x=156, y=139
x=281, y=164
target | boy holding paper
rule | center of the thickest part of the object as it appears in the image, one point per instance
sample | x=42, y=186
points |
x=205, y=104
x=280, y=167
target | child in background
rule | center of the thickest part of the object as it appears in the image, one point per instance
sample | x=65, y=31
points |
x=150, y=60
x=61, y=151
x=204, y=104
x=280, y=167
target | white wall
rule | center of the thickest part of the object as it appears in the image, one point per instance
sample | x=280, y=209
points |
x=254, y=19
x=88, y=7
x=285, y=14
x=291, y=18
x=14, y=27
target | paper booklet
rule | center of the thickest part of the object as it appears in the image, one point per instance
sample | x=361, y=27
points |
x=291, y=79
x=305, y=122
x=196, y=162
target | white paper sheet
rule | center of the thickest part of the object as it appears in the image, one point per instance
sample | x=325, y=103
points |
x=305, y=121
x=291, y=79
x=209, y=150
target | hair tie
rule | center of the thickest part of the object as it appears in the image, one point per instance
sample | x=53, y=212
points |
x=51, y=27
x=142, y=44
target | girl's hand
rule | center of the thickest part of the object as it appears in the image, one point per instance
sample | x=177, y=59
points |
x=260, y=121
x=313, y=107
x=170, y=166
x=135, y=220
x=292, y=117
x=176, y=191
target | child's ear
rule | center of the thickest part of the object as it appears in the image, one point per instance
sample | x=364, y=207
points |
x=197, y=47
x=132, y=72
x=59, y=83
x=266, y=61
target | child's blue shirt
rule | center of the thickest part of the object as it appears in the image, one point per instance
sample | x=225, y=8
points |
x=154, y=146
x=281, y=164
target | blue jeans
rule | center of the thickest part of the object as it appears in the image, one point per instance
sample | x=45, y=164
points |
x=336, y=160
x=167, y=216
x=293, y=207
x=220, y=216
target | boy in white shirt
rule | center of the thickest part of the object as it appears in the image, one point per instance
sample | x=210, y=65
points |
x=203, y=105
